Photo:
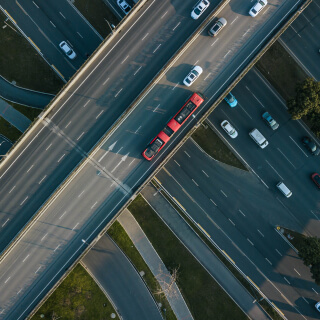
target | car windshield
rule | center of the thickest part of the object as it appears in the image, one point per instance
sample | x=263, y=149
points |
x=230, y=98
x=197, y=11
x=261, y=2
x=253, y=10
x=216, y=27
x=194, y=73
x=154, y=148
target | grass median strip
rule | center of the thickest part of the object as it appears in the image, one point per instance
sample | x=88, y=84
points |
x=210, y=142
x=9, y=131
x=77, y=297
x=204, y=297
x=118, y=234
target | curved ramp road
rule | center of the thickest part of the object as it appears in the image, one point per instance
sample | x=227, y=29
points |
x=115, y=171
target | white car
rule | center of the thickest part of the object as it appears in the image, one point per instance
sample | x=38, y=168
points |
x=229, y=129
x=67, y=50
x=318, y=306
x=192, y=76
x=259, y=5
x=199, y=9
x=124, y=6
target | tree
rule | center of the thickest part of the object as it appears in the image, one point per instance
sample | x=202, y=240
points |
x=306, y=101
x=315, y=270
x=309, y=251
x=167, y=283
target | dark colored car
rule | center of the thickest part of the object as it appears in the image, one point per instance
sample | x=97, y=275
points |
x=316, y=179
x=311, y=146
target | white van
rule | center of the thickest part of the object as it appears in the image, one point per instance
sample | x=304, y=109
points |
x=258, y=138
x=284, y=189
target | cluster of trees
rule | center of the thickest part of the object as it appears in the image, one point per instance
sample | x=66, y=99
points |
x=309, y=251
x=307, y=104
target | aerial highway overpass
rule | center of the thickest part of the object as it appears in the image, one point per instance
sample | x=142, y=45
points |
x=89, y=106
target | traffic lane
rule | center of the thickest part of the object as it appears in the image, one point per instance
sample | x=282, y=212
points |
x=48, y=49
x=70, y=128
x=114, y=272
x=112, y=4
x=244, y=207
x=263, y=264
x=233, y=243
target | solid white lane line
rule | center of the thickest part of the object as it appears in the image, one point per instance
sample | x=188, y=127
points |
x=137, y=70
x=205, y=173
x=207, y=76
x=86, y=104
x=124, y=59
x=196, y=62
x=279, y=252
x=213, y=202
x=245, y=33
x=67, y=125
x=131, y=162
x=223, y=193
x=250, y=242
x=176, y=163
x=234, y=20
x=286, y=157
x=49, y=146
x=138, y=130
x=156, y=48
x=286, y=280
x=61, y=157
x=315, y=215
x=242, y=213
x=35, y=4
x=175, y=86
x=195, y=183
x=118, y=92
x=255, y=97
x=144, y=37
x=187, y=154
x=274, y=169
x=56, y=248
x=298, y=146
x=80, y=136
x=156, y=108
x=103, y=155
x=42, y=179
x=24, y=201
x=62, y=15
x=5, y=223
x=305, y=300
x=81, y=194
x=12, y=189
x=29, y=168
x=214, y=42
x=19, y=291
x=94, y=205
x=26, y=258
x=297, y=272
x=163, y=14
x=295, y=30
x=176, y=26
x=244, y=111
x=62, y=215
x=268, y=261
x=266, y=10
x=38, y=269
x=119, y=150
x=231, y=221
x=99, y=114
x=227, y=53
x=43, y=237
x=105, y=81
x=7, y=280
x=260, y=233
x=315, y=291
x=75, y=226
x=79, y=34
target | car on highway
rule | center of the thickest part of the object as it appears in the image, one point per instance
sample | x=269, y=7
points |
x=231, y=100
x=259, y=5
x=217, y=27
x=67, y=50
x=229, y=129
x=125, y=7
x=310, y=145
x=318, y=306
x=198, y=10
x=273, y=124
x=193, y=75
x=316, y=179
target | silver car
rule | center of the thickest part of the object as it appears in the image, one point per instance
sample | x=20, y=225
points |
x=217, y=27
x=229, y=129
x=193, y=75
x=67, y=50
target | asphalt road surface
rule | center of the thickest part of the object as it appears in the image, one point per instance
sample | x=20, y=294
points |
x=247, y=206
x=47, y=23
x=302, y=39
x=116, y=170
x=115, y=273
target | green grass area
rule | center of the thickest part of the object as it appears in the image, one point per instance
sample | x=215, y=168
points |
x=205, y=298
x=274, y=315
x=281, y=70
x=9, y=131
x=118, y=234
x=97, y=12
x=77, y=297
x=210, y=142
x=30, y=113
x=21, y=63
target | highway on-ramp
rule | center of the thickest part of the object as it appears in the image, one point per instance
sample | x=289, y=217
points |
x=110, y=176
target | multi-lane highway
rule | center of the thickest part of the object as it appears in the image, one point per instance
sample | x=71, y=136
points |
x=247, y=206
x=113, y=173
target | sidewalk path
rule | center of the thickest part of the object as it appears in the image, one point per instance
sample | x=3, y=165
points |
x=120, y=281
x=203, y=254
x=154, y=262
x=23, y=96
x=13, y=116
